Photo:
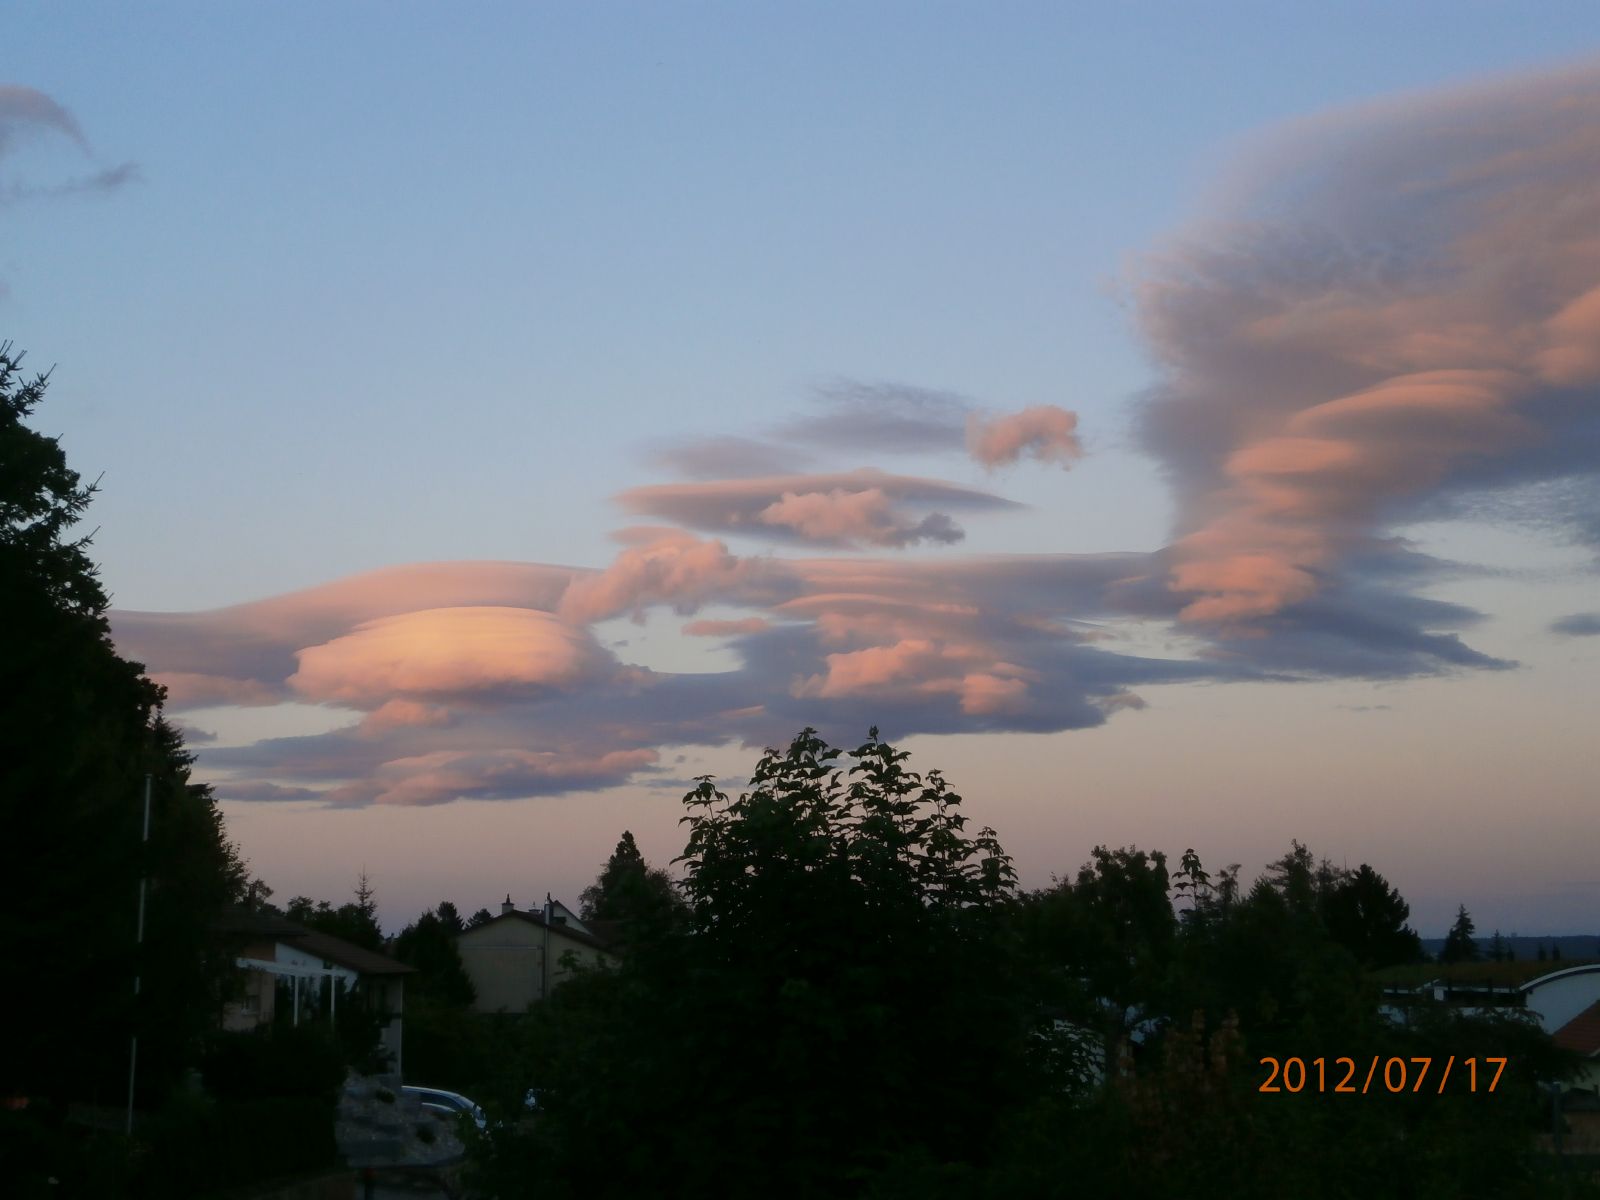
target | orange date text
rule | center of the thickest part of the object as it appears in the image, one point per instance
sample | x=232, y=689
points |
x=1381, y=1075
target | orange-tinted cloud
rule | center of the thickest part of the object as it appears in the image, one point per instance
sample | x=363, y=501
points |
x=734, y=628
x=1046, y=432
x=442, y=651
x=840, y=517
x=675, y=569
x=1399, y=334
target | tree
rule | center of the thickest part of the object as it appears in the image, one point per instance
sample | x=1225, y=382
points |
x=1108, y=939
x=841, y=993
x=1193, y=882
x=81, y=730
x=1459, y=945
x=1498, y=951
x=355, y=921
x=429, y=944
x=638, y=898
x=1368, y=918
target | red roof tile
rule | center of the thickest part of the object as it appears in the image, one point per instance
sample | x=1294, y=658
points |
x=1582, y=1033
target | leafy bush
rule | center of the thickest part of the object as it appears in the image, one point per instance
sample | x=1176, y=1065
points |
x=284, y=1061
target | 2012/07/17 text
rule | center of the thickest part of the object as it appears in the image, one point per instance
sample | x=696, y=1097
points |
x=1343, y=1076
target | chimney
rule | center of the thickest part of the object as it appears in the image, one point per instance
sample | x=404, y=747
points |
x=507, y=907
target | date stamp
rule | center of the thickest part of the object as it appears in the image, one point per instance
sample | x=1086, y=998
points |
x=1393, y=1075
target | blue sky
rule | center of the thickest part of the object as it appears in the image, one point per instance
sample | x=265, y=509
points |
x=396, y=284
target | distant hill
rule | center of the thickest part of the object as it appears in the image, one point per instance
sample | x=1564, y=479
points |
x=1582, y=945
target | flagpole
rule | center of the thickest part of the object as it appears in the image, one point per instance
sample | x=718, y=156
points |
x=138, y=943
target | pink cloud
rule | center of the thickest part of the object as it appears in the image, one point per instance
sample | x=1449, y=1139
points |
x=192, y=689
x=1321, y=383
x=1046, y=432
x=1571, y=355
x=676, y=568
x=735, y=628
x=446, y=650
x=405, y=714
x=844, y=518
x=442, y=776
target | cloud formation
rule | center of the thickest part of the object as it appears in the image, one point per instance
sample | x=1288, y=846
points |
x=1341, y=349
x=842, y=509
x=1577, y=625
x=1394, y=315
x=446, y=651
x=1045, y=432
x=25, y=112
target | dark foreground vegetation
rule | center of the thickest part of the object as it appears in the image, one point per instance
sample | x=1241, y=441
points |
x=846, y=995
x=853, y=999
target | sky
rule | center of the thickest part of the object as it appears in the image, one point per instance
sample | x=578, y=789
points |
x=1180, y=427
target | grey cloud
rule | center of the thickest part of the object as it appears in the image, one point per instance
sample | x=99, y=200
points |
x=24, y=109
x=893, y=418
x=1577, y=625
x=731, y=457
x=835, y=509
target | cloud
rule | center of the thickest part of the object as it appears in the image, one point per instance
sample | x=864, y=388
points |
x=1045, y=432
x=1342, y=349
x=845, y=518
x=674, y=568
x=250, y=790
x=25, y=111
x=444, y=652
x=887, y=418
x=99, y=183
x=736, y=628
x=731, y=457
x=867, y=507
x=1391, y=315
x=1577, y=625
x=445, y=775
x=192, y=689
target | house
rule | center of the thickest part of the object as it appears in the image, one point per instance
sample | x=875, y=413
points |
x=517, y=957
x=1563, y=998
x=292, y=974
x=1552, y=993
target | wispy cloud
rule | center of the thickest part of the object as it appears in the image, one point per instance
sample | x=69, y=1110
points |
x=26, y=112
x=864, y=507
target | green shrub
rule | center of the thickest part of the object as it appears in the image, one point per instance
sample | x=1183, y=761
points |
x=285, y=1061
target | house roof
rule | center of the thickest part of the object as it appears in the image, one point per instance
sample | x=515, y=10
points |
x=1582, y=1033
x=348, y=954
x=248, y=923
x=537, y=918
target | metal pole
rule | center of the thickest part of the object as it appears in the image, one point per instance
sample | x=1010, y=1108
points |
x=544, y=959
x=138, y=943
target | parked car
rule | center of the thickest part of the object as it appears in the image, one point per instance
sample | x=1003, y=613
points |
x=447, y=1104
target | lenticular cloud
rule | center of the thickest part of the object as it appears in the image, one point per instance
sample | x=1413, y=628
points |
x=1391, y=314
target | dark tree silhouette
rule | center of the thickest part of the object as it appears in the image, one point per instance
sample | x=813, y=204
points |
x=1368, y=918
x=1459, y=945
x=80, y=731
x=634, y=898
